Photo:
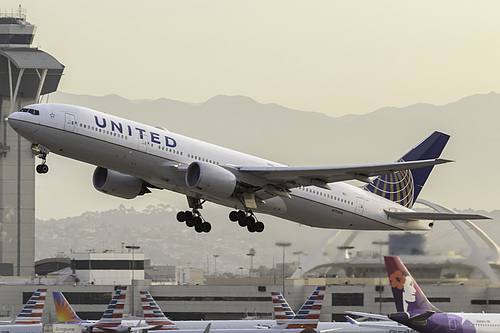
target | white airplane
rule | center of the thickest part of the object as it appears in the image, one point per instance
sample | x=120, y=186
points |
x=29, y=320
x=132, y=157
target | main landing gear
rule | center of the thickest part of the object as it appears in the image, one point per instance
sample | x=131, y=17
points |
x=246, y=219
x=42, y=153
x=193, y=218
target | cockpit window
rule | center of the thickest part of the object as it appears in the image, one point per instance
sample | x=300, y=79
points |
x=32, y=111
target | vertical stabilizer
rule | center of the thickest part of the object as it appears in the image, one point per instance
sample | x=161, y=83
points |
x=281, y=308
x=308, y=315
x=153, y=314
x=407, y=294
x=64, y=310
x=404, y=187
x=33, y=309
x=113, y=315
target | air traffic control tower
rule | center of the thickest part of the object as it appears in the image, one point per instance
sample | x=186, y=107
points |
x=26, y=74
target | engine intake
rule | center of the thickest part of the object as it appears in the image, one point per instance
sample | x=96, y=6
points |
x=118, y=184
x=211, y=179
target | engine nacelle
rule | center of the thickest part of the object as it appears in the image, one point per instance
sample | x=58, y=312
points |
x=211, y=179
x=118, y=184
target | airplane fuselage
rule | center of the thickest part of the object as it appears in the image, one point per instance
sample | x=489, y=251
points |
x=157, y=156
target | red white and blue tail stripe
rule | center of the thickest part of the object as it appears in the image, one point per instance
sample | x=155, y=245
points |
x=153, y=314
x=281, y=308
x=308, y=314
x=113, y=315
x=33, y=309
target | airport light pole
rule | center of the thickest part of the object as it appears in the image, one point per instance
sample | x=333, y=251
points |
x=346, y=249
x=133, y=248
x=284, y=245
x=380, y=244
x=251, y=254
x=215, y=264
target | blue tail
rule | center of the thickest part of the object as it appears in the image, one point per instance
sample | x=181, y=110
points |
x=404, y=187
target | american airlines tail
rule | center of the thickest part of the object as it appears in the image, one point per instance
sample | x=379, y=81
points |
x=308, y=315
x=153, y=314
x=113, y=315
x=64, y=310
x=33, y=309
x=404, y=186
x=281, y=308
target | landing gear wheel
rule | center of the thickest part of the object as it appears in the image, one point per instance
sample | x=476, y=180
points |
x=249, y=221
x=196, y=221
x=198, y=228
x=233, y=216
x=190, y=224
x=206, y=227
x=242, y=223
x=251, y=227
x=42, y=168
x=259, y=226
x=181, y=217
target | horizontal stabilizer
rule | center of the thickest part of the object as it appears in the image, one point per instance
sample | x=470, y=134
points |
x=368, y=315
x=413, y=216
x=418, y=320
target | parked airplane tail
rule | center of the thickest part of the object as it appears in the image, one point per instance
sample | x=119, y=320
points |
x=407, y=294
x=281, y=308
x=113, y=315
x=404, y=187
x=64, y=310
x=308, y=315
x=33, y=309
x=153, y=314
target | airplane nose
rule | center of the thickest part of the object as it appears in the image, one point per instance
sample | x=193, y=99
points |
x=12, y=119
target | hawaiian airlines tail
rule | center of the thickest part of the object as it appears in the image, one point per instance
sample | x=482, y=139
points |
x=308, y=315
x=153, y=314
x=404, y=186
x=407, y=294
x=33, y=309
x=64, y=310
x=281, y=308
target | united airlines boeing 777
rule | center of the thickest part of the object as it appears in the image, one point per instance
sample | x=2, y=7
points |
x=132, y=158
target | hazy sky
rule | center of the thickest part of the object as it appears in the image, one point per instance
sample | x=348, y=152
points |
x=335, y=57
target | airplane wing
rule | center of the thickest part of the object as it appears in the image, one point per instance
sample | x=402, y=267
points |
x=413, y=216
x=280, y=179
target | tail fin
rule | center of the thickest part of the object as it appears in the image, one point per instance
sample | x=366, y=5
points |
x=33, y=309
x=113, y=315
x=153, y=314
x=64, y=310
x=404, y=187
x=282, y=310
x=407, y=294
x=308, y=315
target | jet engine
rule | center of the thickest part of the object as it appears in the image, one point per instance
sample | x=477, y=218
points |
x=118, y=184
x=211, y=179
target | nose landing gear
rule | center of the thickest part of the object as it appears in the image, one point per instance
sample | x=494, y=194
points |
x=41, y=152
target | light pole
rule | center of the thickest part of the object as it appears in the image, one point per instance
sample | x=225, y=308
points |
x=380, y=243
x=215, y=264
x=283, y=245
x=251, y=254
x=133, y=248
x=346, y=249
